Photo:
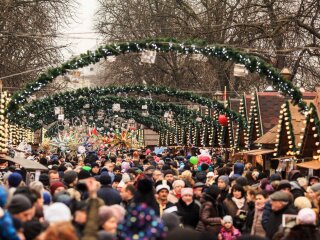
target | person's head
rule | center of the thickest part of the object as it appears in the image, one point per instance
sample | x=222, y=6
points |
x=109, y=166
x=127, y=193
x=237, y=191
x=95, y=168
x=306, y=216
x=312, y=191
x=177, y=186
x=279, y=200
x=70, y=178
x=169, y=176
x=21, y=208
x=227, y=221
x=285, y=186
x=57, y=212
x=302, y=202
x=57, y=187
x=313, y=180
x=108, y=220
x=251, y=194
x=223, y=182
x=53, y=176
x=157, y=175
x=210, y=176
x=80, y=212
x=187, y=195
x=14, y=179
x=59, y=231
x=163, y=192
x=261, y=199
x=198, y=189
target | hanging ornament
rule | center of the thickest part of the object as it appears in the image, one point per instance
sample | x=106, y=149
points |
x=223, y=120
x=148, y=56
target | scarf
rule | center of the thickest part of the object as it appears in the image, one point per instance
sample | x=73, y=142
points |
x=239, y=202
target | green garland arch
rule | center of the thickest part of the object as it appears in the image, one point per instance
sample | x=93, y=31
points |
x=151, y=122
x=77, y=95
x=39, y=109
x=253, y=64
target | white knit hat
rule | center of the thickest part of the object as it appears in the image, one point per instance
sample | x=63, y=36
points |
x=186, y=191
x=227, y=219
x=57, y=212
x=306, y=216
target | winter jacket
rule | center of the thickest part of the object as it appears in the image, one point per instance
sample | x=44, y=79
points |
x=232, y=209
x=249, y=218
x=229, y=234
x=210, y=217
x=275, y=220
x=189, y=213
x=109, y=195
x=305, y=232
x=7, y=230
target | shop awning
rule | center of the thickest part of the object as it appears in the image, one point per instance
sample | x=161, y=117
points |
x=314, y=164
x=258, y=152
x=25, y=163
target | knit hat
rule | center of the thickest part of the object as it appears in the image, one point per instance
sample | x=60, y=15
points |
x=306, y=216
x=283, y=184
x=57, y=212
x=161, y=187
x=280, y=196
x=56, y=185
x=19, y=203
x=3, y=196
x=105, y=179
x=186, y=191
x=177, y=183
x=125, y=166
x=46, y=198
x=224, y=178
x=242, y=181
x=275, y=177
x=70, y=177
x=14, y=179
x=302, y=202
x=227, y=219
x=210, y=174
x=119, y=212
x=213, y=191
x=169, y=171
x=315, y=187
x=84, y=174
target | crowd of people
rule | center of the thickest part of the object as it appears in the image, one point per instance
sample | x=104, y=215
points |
x=142, y=195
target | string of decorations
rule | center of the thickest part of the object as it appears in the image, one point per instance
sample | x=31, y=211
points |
x=241, y=132
x=252, y=63
x=312, y=125
x=285, y=128
x=38, y=110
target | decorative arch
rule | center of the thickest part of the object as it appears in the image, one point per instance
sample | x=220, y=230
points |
x=252, y=63
x=44, y=109
x=151, y=122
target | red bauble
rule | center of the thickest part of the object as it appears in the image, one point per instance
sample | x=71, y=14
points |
x=223, y=120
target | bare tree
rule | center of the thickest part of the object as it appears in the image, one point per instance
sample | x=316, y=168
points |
x=28, y=31
x=283, y=33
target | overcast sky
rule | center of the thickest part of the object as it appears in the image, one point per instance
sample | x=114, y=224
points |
x=80, y=43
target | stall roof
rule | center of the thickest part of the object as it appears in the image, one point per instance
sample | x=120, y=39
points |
x=25, y=163
x=314, y=164
x=258, y=152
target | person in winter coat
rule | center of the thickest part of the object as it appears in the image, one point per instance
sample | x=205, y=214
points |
x=109, y=195
x=211, y=211
x=228, y=231
x=188, y=210
x=280, y=204
x=223, y=185
x=236, y=206
x=257, y=229
x=305, y=228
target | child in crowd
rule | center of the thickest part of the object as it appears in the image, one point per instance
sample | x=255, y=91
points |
x=228, y=231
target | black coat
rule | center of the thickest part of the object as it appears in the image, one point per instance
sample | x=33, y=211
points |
x=189, y=213
x=305, y=232
x=275, y=220
x=109, y=195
